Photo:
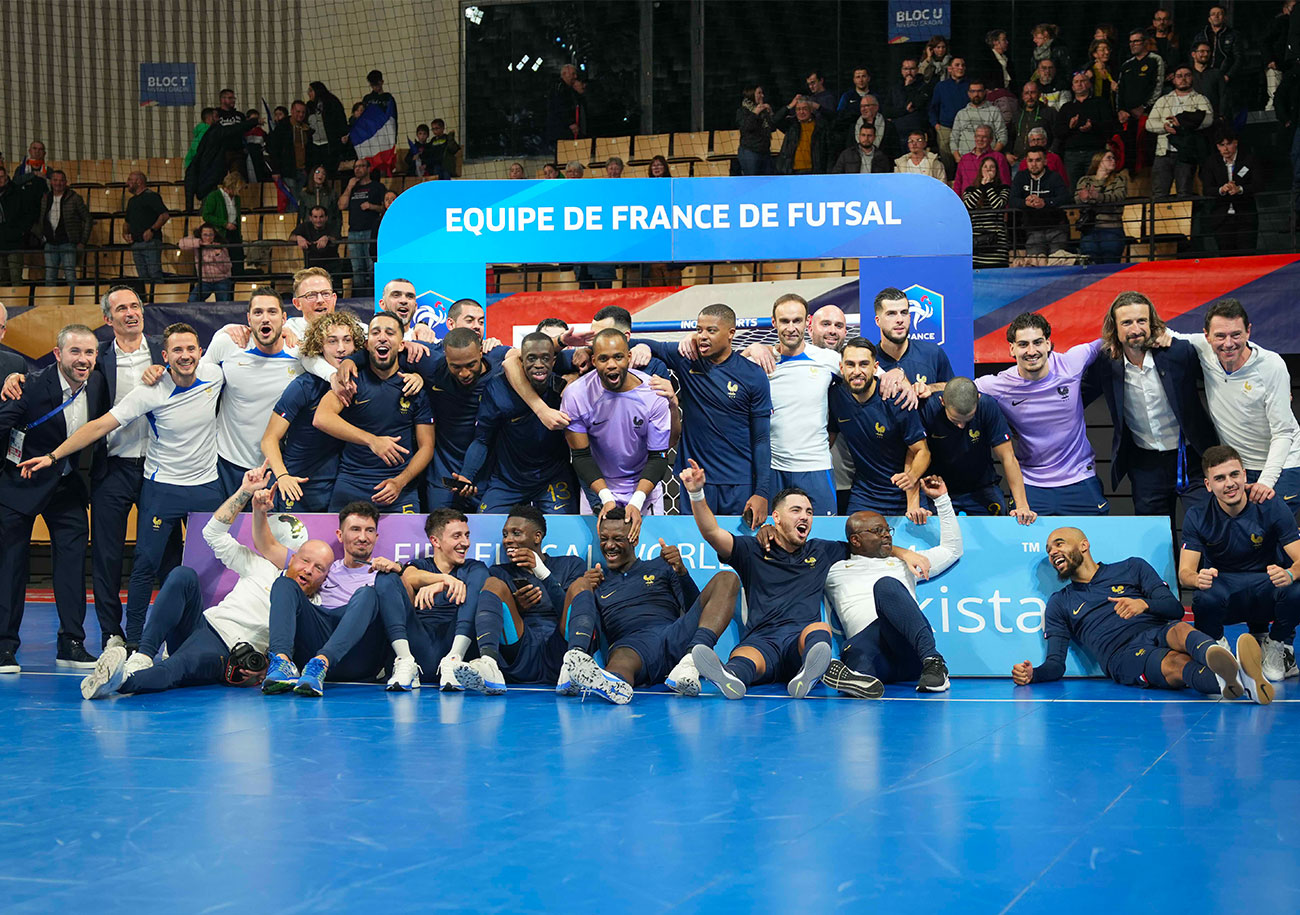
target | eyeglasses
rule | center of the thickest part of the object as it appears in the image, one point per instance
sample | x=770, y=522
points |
x=317, y=296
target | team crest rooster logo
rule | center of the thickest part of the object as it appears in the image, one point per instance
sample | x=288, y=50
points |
x=880, y=430
x=732, y=388
x=648, y=579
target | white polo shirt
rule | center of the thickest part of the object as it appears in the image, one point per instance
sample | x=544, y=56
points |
x=182, y=427
x=254, y=382
x=799, y=409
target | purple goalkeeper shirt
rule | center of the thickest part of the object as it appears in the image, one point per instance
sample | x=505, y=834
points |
x=341, y=583
x=621, y=426
x=1046, y=416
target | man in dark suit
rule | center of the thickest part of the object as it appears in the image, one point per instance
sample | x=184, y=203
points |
x=11, y=361
x=56, y=401
x=1232, y=179
x=1161, y=426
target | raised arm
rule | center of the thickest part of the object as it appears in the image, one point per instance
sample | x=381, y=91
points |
x=264, y=541
x=88, y=434
x=693, y=482
x=950, y=546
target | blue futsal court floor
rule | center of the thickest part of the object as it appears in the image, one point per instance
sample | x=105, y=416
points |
x=1058, y=798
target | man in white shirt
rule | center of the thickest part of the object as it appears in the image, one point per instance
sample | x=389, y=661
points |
x=1177, y=118
x=918, y=160
x=201, y=642
x=887, y=638
x=313, y=296
x=180, y=464
x=1248, y=389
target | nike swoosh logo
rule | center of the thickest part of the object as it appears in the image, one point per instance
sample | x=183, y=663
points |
x=1080, y=607
x=938, y=436
x=607, y=596
x=1288, y=498
x=1102, y=505
x=600, y=422
x=1016, y=403
x=358, y=403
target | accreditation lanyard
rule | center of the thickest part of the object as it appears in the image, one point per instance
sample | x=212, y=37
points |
x=18, y=436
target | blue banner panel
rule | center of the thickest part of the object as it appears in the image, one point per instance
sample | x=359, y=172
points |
x=166, y=84
x=918, y=20
x=986, y=611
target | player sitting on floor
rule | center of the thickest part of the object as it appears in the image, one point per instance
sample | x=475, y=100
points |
x=520, y=636
x=1129, y=620
x=225, y=643
x=651, y=613
x=886, y=636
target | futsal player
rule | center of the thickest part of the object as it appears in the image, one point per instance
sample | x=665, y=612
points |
x=1242, y=557
x=887, y=443
x=887, y=638
x=255, y=377
x=1131, y=623
x=180, y=465
x=313, y=296
x=651, y=613
x=619, y=432
x=964, y=431
x=726, y=415
x=304, y=459
x=428, y=608
x=923, y=361
x=514, y=459
x=520, y=632
x=1041, y=398
x=207, y=645
x=338, y=635
x=387, y=435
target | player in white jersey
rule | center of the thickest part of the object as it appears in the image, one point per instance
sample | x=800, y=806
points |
x=180, y=464
x=255, y=377
x=886, y=636
x=1248, y=389
x=313, y=296
x=224, y=643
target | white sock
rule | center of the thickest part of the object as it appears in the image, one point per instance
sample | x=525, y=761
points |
x=402, y=649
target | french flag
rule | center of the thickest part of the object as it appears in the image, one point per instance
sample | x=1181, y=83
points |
x=374, y=136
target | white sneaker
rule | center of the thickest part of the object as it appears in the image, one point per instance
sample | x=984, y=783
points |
x=1223, y=643
x=406, y=676
x=1274, y=660
x=564, y=684
x=136, y=662
x=591, y=677
x=482, y=675
x=447, y=681
x=115, y=641
x=1226, y=671
x=684, y=679
x=1289, y=653
x=1250, y=657
x=108, y=674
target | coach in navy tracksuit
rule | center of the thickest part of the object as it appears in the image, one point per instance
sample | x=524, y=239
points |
x=56, y=400
x=1161, y=427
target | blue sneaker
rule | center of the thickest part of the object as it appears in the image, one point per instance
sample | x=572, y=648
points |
x=312, y=681
x=281, y=676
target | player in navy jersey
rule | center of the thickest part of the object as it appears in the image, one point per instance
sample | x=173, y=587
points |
x=963, y=432
x=923, y=361
x=726, y=415
x=428, y=609
x=1242, y=558
x=886, y=442
x=520, y=632
x=651, y=613
x=387, y=435
x=1131, y=623
x=307, y=462
x=514, y=458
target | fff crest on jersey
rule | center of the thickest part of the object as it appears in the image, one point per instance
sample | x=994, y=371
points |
x=648, y=579
x=880, y=430
x=1257, y=539
x=925, y=307
x=732, y=388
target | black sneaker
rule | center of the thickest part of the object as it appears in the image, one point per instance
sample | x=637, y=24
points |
x=851, y=683
x=8, y=663
x=934, y=676
x=72, y=653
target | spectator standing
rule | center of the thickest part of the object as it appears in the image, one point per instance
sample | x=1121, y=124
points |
x=1038, y=194
x=329, y=127
x=1052, y=85
x=377, y=97
x=968, y=169
x=1179, y=119
x=978, y=111
x=949, y=97
x=821, y=98
x=365, y=198
x=868, y=112
x=64, y=226
x=1102, y=193
x=565, y=108
x=317, y=192
x=288, y=149
x=256, y=168
x=33, y=166
x=1165, y=38
x=1034, y=112
x=1224, y=53
x=1232, y=179
x=1207, y=80
x=1046, y=47
x=211, y=264
x=986, y=201
x=1141, y=82
x=995, y=67
x=146, y=214
x=1086, y=125
x=1275, y=51
x=17, y=216
x=918, y=160
x=417, y=157
x=906, y=101
x=864, y=157
x=1104, y=82
x=806, y=147
x=852, y=96
x=933, y=66
x=754, y=121
x=221, y=210
x=442, y=150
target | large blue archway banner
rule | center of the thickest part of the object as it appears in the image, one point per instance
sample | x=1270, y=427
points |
x=908, y=231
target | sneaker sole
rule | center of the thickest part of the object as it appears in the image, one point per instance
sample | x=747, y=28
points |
x=399, y=688
x=1250, y=657
x=306, y=689
x=75, y=665
x=841, y=677
x=584, y=671
x=934, y=689
x=1221, y=661
x=470, y=679
x=710, y=667
x=684, y=687
x=107, y=676
x=814, y=666
x=275, y=687
x=10, y=669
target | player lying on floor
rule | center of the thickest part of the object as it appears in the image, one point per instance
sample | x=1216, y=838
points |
x=225, y=643
x=651, y=613
x=1129, y=620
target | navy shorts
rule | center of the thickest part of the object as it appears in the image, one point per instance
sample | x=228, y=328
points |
x=1129, y=664
x=724, y=499
x=538, y=655
x=987, y=501
x=817, y=483
x=348, y=490
x=315, y=497
x=558, y=497
x=1082, y=498
x=661, y=647
x=778, y=643
x=895, y=503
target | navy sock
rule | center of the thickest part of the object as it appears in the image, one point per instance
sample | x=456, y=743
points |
x=742, y=669
x=489, y=624
x=1197, y=644
x=582, y=621
x=896, y=606
x=704, y=637
x=813, y=638
x=1201, y=678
